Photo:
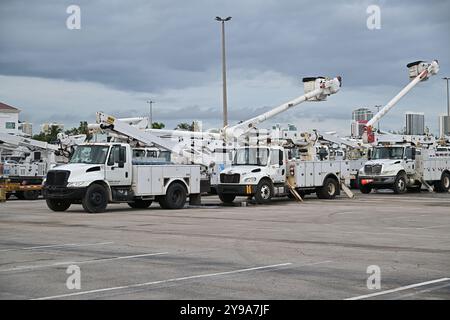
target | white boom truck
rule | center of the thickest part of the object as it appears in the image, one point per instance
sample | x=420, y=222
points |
x=404, y=162
x=102, y=173
x=274, y=170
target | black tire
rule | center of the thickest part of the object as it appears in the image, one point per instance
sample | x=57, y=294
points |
x=264, y=191
x=57, y=204
x=364, y=188
x=31, y=194
x=399, y=186
x=19, y=195
x=227, y=198
x=96, y=199
x=443, y=185
x=140, y=204
x=8, y=195
x=175, y=197
x=329, y=190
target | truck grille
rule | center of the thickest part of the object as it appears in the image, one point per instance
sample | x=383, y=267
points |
x=57, y=178
x=229, y=178
x=372, y=169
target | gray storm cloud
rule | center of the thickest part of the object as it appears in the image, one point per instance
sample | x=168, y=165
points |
x=138, y=49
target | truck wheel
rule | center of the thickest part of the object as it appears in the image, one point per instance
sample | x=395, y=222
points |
x=57, y=205
x=19, y=195
x=329, y=190
x=140, y=204
x=400, y=184
x=364, y=188
x=443, y=185
x=264, y=191
x=95, y=200
x=227, y=198
x=31, y=195
x=175, y=197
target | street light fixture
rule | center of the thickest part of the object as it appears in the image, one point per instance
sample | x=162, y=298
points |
x=150, y=119
x=224, y=75
x=448, y=103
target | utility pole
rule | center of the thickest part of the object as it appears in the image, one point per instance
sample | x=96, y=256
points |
x=150, y=119
x=448, y=103
x=224, y=75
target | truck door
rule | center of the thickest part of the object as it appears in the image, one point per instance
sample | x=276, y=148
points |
x=409, y=158
x=118, y=167
x=277, y=168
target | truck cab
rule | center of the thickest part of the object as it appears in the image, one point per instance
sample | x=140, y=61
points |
x=389, y=166
x=258, y=171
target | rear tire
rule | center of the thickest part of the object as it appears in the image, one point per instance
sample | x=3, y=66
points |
x=175, y=197
x=399, y=186
x=264, y=191
x=19, y=195
x=58, y=205
x=329, y=190
x=96, y=199
x=140, y=204
x=227, y=198
x=443, y=185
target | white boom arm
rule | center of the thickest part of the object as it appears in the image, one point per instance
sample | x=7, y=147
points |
x=418, y=71
x=26, y=142
x=109, y=123
x=316, y=89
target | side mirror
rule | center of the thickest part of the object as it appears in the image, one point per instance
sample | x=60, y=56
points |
x=121, y=164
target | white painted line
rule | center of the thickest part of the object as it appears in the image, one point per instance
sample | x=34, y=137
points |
x=420, y=292
x=398, y=289
x=59, y=245
x=165, y=281
x=21, y=268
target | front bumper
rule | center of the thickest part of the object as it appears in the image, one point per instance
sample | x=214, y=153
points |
x=236, y=189
x=64, y=193
x=378, y=181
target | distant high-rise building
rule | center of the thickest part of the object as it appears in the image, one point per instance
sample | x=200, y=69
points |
x=444, y=125
x=362, y=114
x=26, y=128
x=47, y=127
x=415, y=123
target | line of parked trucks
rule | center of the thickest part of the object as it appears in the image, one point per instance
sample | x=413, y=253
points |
x=241, y=160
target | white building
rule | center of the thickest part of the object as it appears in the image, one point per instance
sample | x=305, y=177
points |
x=26, y=128
x=9, y=119
x=47, y=127
x=415, y=123
x=444, y=125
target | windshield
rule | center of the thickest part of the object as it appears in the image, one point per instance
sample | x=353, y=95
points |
x=90, y=154
x=251, y=156
x=387, y=153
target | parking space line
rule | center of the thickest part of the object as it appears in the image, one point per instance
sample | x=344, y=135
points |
x=22, y=268
x=411, y=286
x=58, y=246
x=273, y=266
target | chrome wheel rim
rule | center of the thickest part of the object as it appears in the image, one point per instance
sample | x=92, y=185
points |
x=265, y=192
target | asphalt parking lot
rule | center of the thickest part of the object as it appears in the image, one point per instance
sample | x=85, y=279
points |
x=319, y=249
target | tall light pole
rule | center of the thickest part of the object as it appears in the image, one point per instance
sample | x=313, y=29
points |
x=448, y=103
x=150, y=119
x=224, y=74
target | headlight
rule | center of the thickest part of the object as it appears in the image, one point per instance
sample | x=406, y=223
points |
x=250, y=179
x=389, y=172
x=75, y=184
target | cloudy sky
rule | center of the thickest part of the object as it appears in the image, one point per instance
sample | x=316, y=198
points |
x=169, y=51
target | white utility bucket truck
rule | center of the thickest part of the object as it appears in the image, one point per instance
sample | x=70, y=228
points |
x=278, y=168
x=102, y=173
x=403, y=163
